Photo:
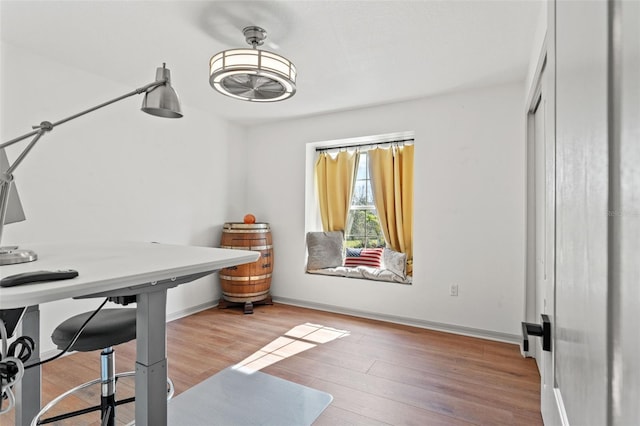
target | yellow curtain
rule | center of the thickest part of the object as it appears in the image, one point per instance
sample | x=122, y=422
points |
x=391, y=171
x=334, y=179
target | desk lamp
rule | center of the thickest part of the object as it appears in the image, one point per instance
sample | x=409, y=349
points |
x=160, y=99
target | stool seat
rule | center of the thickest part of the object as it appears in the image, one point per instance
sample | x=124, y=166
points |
x=109, y=327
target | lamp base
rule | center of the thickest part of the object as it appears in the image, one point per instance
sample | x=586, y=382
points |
x=11, y=256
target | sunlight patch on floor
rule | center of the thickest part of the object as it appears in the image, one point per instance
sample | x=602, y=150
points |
x=299, y=339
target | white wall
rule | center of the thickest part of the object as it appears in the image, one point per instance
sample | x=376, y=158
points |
x=469, y=208
x=116, y=174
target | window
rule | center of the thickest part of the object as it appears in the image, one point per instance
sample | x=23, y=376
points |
x=344, y=180
x=363, y=224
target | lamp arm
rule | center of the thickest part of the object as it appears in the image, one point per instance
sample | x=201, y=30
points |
x=139, y=91
x=6, y=178
x=47, y=126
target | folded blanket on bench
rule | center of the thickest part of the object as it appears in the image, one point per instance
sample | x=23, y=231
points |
x=362, y=272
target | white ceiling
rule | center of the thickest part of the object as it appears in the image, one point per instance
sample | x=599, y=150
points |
x=349, y=54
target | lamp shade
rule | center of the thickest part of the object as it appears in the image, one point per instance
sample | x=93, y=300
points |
x=162, y=101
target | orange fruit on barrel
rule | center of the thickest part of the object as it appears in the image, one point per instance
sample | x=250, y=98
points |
x=249, y=218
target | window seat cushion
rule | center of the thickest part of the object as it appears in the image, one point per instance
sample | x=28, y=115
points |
x=362, y=272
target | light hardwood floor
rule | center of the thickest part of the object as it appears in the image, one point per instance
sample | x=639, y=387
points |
x=381, y=373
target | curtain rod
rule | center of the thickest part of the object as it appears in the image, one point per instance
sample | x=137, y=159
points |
x=329, y=148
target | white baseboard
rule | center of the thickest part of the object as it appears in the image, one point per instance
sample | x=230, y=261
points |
x=191, y=310
x=430, y=325
x=51, y=353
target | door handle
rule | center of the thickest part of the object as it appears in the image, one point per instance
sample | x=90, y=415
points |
x=543, y=330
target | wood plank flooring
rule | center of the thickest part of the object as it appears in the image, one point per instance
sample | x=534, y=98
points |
x=379, y=374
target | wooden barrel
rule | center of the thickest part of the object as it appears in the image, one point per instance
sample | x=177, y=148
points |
x=249, y=282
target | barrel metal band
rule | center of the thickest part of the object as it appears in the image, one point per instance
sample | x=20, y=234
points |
x=270, y=246
x=245, y=231
x=241, y=225
x=253, y=278
x=245, y=299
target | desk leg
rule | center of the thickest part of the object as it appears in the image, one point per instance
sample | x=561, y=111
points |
x=151, y=359
x=27, y=390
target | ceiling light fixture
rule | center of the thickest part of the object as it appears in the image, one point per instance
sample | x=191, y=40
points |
x=251, y=74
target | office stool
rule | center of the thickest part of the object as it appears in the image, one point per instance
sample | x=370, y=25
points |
x=110, y=327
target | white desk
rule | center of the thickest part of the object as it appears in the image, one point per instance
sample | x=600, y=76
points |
x=145, y=270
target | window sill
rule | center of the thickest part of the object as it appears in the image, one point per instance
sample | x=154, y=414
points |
x=362, y=272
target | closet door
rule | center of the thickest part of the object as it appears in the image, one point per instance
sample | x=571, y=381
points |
x=597, y=97
x=624, y=216
x=581, y=212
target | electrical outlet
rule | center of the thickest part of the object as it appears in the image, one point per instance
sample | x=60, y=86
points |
x=453, y=290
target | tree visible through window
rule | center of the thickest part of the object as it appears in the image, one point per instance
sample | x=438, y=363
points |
x=363, y=225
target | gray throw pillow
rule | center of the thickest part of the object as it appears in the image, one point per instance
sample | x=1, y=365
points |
x=395, y=262
x=325, y=249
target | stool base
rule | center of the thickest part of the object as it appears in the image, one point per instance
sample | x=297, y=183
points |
x=36, y=420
